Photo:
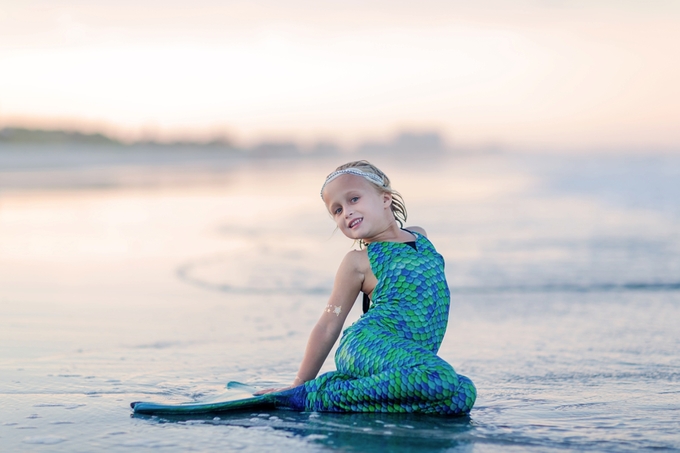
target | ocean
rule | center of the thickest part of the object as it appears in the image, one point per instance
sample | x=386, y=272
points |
x=163, y=274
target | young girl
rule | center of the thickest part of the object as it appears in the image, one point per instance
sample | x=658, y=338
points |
x=387, y=361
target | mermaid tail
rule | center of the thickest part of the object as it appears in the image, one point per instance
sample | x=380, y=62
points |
x=419, y=390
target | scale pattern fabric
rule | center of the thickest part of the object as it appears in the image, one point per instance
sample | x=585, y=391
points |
x=387, y=361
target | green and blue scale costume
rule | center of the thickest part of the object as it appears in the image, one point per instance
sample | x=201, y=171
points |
x=387, y=361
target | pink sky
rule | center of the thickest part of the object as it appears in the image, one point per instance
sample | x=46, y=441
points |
x=554, y=74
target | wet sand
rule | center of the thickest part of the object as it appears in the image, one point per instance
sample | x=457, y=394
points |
x=565, y=292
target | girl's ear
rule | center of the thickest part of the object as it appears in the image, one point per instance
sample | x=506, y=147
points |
x=387, y=199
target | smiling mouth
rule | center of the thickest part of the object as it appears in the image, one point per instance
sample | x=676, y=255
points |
x=355, y=222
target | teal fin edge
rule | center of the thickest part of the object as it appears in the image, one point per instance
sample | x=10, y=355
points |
x=262, y=401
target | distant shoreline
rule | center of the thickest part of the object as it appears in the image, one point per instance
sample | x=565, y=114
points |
x=403, y=142
x=20, y=135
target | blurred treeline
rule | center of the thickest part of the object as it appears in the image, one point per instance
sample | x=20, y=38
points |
x=405, y=142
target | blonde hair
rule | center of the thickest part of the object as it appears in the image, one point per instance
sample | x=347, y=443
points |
x=398, y=206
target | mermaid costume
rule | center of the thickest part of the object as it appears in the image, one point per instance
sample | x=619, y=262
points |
x=387, y=361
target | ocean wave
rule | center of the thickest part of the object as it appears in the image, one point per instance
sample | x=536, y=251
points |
x=569, y=288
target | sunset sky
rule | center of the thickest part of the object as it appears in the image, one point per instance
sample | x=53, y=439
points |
x=552, y=74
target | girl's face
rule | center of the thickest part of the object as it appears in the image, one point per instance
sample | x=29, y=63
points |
x=359, y=209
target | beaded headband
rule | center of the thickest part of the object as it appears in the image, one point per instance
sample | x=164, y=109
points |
x=375, y=179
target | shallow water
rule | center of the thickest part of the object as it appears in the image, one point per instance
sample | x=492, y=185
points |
x=565, y=274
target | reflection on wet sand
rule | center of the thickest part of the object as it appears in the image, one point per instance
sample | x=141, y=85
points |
x=564, y=298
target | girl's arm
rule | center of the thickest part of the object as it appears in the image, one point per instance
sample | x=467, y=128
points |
x=348, y=281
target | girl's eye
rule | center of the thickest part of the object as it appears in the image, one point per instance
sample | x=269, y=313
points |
x=355, y=199
x=337, y=210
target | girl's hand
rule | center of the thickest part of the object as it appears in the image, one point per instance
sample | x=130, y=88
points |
x=298, y=381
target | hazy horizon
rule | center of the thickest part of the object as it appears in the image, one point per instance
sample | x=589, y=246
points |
x=555, y=75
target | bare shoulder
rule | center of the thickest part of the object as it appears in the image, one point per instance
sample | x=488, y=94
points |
x=352, y=271
x=417, y=229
